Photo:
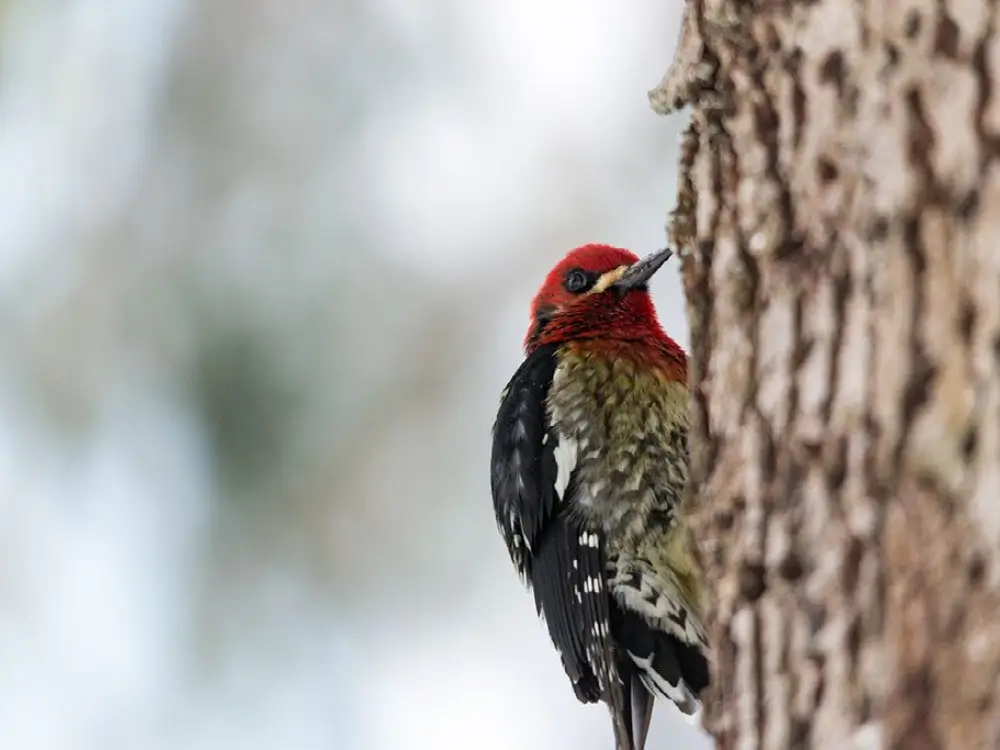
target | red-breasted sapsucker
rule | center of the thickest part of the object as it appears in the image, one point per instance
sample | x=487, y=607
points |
x=588, y=468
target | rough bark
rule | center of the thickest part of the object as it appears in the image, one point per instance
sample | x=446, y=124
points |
x=838, y=220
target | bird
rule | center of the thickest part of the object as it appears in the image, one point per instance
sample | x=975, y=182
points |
x=588, y=468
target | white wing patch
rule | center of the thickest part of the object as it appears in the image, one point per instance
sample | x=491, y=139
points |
x=566, y=455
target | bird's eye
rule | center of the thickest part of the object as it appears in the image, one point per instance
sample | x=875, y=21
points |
x=577, y=281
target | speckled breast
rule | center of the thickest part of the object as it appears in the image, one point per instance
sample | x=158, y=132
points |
x=626, y=419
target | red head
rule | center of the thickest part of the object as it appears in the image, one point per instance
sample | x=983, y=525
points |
x=597, y=292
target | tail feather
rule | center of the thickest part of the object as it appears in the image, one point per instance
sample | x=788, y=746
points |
x=621, y=719
x=619, y=702
x=632, y=715
x=642, y=712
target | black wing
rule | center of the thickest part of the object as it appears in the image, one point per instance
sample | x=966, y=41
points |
x=523, y=465
x=560, y=560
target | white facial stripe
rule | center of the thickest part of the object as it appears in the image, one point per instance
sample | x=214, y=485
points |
x=607, y=279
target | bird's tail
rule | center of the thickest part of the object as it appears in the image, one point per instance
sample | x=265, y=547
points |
x=633, y=711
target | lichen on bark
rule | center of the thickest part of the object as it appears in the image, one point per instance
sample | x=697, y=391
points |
x=838, y=220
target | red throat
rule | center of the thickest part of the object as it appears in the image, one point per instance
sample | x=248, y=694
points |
x=629, y=330
x=630, y=319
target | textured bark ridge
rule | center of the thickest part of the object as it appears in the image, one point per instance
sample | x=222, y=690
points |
x=839, y=224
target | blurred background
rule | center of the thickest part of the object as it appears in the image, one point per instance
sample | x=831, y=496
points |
x=264, y=270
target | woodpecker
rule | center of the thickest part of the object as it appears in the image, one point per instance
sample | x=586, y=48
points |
x=588, y=468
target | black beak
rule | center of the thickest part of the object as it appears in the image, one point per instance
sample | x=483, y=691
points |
x=640, y=272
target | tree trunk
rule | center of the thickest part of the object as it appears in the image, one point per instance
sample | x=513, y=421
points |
x=838, y=220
